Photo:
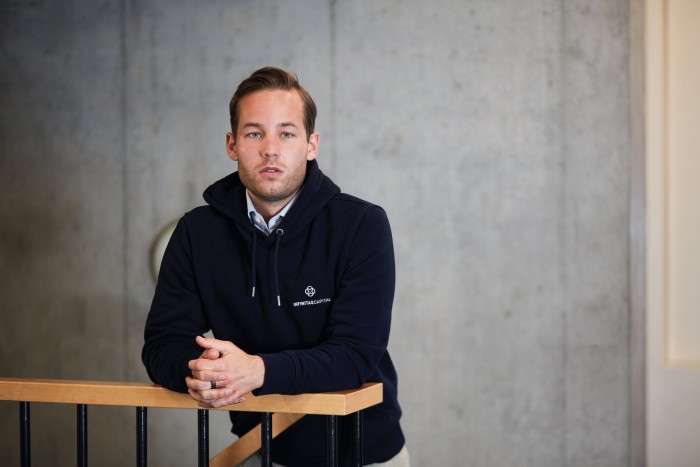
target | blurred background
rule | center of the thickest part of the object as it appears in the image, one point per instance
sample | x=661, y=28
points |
x=503, y=138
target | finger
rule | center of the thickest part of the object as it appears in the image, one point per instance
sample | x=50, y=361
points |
x=201, y=399
x=197, y=385
x=206, y=383
x=209, y=395
x=211, y=354
x=210, y=374
x=205, y=364
x=223, y=347
x=204, y=399
x=235, y=398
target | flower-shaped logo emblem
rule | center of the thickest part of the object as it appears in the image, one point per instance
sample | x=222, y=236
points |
x=310, y=291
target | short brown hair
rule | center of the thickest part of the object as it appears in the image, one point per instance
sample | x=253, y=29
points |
x=273, y=78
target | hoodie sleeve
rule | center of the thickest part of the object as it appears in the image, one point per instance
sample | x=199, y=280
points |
x=359, y=322
x=175, y=317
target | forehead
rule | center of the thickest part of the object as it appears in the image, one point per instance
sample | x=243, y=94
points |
x=271, y=106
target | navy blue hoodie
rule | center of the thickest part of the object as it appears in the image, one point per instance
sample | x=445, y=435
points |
x=313, y=299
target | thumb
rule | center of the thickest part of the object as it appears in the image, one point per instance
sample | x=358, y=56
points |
x=223, y=347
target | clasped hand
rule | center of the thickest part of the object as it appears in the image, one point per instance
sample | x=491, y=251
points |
x=233, y=372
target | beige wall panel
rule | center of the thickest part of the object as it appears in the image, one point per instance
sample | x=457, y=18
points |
x=683, y=181
x=673, y=410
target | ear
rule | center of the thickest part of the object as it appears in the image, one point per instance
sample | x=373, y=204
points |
x=312, y=147
x=231, y=146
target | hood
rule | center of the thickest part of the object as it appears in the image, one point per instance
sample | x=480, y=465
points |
x=228, y=197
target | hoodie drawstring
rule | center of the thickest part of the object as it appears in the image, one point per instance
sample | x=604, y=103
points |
x=253, y=263
x=279, y=233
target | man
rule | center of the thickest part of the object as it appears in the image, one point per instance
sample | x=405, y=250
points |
x=294, y=278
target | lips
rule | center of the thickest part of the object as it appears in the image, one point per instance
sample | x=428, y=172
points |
x=271, y=173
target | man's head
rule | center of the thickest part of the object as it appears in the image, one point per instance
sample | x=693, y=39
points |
x=269, y=78
x=272, y=137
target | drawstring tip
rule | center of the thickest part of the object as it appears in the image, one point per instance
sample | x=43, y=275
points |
x=278, y=301
x=253, y=293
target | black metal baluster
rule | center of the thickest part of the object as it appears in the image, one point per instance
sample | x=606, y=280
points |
x=357, y=453
x=141, y=436
x=203, y=442
x=266, y=439
x=82, y=436
x=25, y=451
x=332, y=441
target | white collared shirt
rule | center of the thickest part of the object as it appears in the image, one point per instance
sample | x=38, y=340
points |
x=257, y=219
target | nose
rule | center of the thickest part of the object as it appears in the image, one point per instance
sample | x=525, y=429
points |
x=269, y=148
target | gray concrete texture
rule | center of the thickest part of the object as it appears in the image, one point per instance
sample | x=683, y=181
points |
x=494, y=133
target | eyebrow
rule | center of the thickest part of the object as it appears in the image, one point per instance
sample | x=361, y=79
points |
x=259, y=125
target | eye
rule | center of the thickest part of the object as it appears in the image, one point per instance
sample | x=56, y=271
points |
x=253, y=135
x=287, y=135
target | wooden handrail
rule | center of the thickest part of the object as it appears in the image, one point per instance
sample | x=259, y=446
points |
x=151, y=395
x=285, y=410
x=249, y=444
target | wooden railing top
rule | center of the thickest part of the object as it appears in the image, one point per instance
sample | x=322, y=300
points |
x=151, y=395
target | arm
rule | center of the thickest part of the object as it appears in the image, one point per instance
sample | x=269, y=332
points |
x=175, y=354
x=175, y=317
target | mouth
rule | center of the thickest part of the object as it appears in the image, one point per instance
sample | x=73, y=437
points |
x=270, y=170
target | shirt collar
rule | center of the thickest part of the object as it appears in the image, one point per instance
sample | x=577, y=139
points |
x=257, y=219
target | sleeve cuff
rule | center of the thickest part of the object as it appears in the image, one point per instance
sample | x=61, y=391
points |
x=280, y=372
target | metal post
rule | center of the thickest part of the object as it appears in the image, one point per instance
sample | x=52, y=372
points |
x=141, y=436
x=203, y=432
x=332, y=441
x=266, y=439
x=25, y=451
x=82, y=436
x=357, y=449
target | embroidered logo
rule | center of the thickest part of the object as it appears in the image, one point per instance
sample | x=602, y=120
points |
x=310, y=292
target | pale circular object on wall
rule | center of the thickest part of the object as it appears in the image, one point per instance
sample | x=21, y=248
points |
x=158, y=248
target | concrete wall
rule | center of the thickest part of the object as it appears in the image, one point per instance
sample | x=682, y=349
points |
x=495, y=134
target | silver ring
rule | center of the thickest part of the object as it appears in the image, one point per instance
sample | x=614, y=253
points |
x=213, y=384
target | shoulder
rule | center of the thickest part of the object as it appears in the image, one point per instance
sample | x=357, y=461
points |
x=350, y=204
x=202, y=215
x=359, y=216
x=201, y=221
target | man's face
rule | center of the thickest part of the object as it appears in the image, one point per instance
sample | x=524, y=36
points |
x=271, y=147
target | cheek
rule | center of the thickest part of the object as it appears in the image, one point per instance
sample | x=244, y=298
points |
x=244, y=154
x=300, y=170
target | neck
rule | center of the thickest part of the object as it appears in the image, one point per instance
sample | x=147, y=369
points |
x=269, y=209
